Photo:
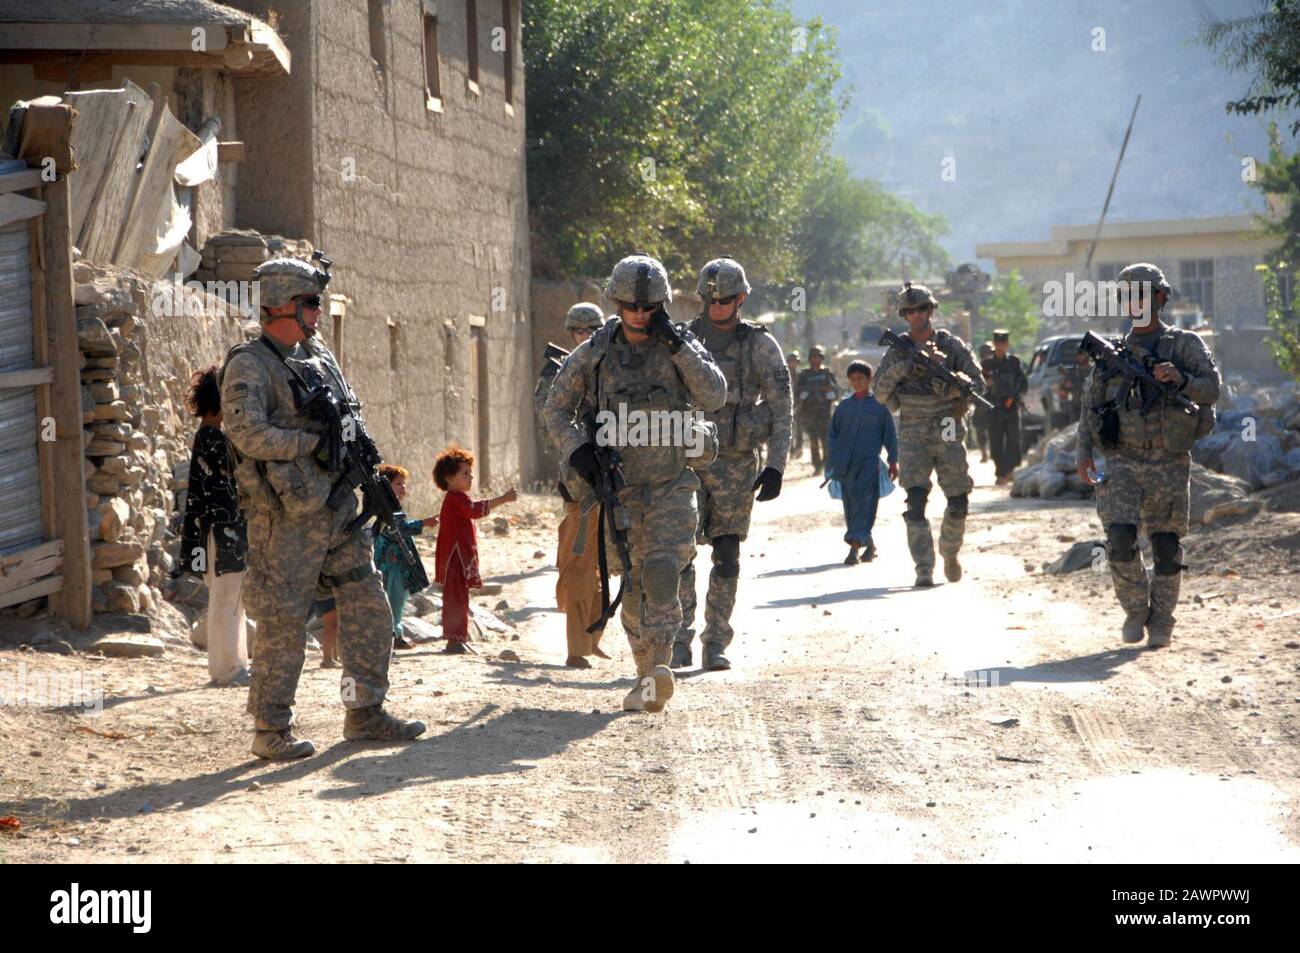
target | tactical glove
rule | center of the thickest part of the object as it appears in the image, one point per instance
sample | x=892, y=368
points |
x=584, y=461
x=661, y=328
x=770, y=482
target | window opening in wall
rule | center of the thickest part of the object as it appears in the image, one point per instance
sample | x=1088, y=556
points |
x=471, y=40
x=508, y=23
x=432, y=69
x=1196, y=283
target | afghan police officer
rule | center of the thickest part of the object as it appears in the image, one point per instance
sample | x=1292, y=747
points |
x=577, y=586
x=796, y=432
x=757, y=412
x=931, y=431
x=640, y=366
x=1147, y=467
x=980, y=415
x=1006, y=382
x=1073, y=384
x=296, y=540
x=816, y=392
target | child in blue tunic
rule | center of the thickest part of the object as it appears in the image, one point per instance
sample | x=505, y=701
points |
x=388, y=557
x=860, y=427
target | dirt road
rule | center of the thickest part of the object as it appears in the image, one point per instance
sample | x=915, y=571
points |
x=997, y=719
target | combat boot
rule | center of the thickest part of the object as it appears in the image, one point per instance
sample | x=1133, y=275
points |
x=281, y=746
x=664, y=684
x=1164, y=598
x=375, y=724
x=924, y=579
x=951, y=568
x=921, y=545
x=1132, y=630
x=714, y=660
x=681, y=655
x=635, y=700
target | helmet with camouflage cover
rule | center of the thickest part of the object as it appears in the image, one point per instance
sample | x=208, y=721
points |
x=641, y=279
x=1144, y=272
x=816, y=351
x=280, y=280
x=584, y=316
x=722, y=278
x=793, y=355
x=915, y=296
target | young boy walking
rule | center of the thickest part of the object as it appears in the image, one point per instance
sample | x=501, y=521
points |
x=860, y=427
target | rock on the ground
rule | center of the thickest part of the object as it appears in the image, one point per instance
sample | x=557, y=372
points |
x=423, y=603
x=1079, y=556
x=419, y=631
x=1231, y=508
x=1209, y=489
x=1283, y=498
x=129, y=646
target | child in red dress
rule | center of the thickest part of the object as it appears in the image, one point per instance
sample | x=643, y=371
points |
x=456, y=558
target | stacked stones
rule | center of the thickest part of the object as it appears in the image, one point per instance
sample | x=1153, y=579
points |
x=138, y=348
x=232, y=255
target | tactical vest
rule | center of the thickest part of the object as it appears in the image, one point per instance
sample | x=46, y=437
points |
x=1165, y=427
x=298, y=486
x=916, y=396
x=1006, y=378
x=634, y=387
x=817, y=384
x=743, y=424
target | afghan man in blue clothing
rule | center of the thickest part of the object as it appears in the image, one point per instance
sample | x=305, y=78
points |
x=860, y=427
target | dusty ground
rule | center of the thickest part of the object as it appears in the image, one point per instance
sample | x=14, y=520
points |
x=997, y=719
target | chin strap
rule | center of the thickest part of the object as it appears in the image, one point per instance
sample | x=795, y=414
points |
x=307, y=330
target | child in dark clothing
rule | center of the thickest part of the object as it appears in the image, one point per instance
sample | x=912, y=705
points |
x=457, y=551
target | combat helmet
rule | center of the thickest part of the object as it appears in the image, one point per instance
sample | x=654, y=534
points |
x=816, y=351
x=584, y=316
x=915, y=296
x=722, y=278
x=281, y=280
x=1144, y=272
x=641, y=279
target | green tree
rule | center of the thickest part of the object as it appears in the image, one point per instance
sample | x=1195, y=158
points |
x=684, y=128
x=1266, y=44
x=1283, y=320
x=1011, y=306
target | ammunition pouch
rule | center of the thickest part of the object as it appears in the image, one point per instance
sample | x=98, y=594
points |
x=753, y=427
x=300, y=485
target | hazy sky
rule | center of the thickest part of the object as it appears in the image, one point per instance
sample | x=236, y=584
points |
x=1033, y=116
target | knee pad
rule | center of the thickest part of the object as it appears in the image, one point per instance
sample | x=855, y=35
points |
x=726, y=555
x=659, y=575
x=1121, y=539
x=916, y=497
x=958, y=506
x=1165, y=549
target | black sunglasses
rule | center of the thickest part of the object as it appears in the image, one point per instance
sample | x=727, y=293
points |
x=919, y=309
x=310, y=303
x=724, y=301
x=640, y=305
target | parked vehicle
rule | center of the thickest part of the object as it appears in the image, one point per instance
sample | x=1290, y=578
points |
x=1044, y=406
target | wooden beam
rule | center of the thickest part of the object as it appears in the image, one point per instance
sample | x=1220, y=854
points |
x=112, y=36
x=230, y=152
x=44, y=395
x=42, y=587
x=73, y=74
x=18, y=208
x=21, y=569
x=69, y=489
x=20, y=180
x=32, y=377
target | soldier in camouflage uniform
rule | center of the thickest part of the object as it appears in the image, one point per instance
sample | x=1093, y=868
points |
x=577, y=585
x=641, y=364
x=757, y=412
x=931, y=433
x=815, y=394
x=295, y=539
x=979, y=419
x=1147, y=475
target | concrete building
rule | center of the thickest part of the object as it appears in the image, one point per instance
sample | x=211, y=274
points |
x=1210, y=262
x=387, y=133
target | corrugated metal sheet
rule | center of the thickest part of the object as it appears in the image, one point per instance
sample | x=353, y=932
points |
x=20, y=483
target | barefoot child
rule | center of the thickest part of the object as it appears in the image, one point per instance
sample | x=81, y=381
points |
x=388, y=557
x=457, y=551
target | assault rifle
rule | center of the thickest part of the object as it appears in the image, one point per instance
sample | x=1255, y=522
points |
x=1136, y=370
x=613, y=516
x=931, y=361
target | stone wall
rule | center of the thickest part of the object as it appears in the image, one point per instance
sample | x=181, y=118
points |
x=140, y=341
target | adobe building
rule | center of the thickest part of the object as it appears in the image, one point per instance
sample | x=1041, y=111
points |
x=389, y=134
